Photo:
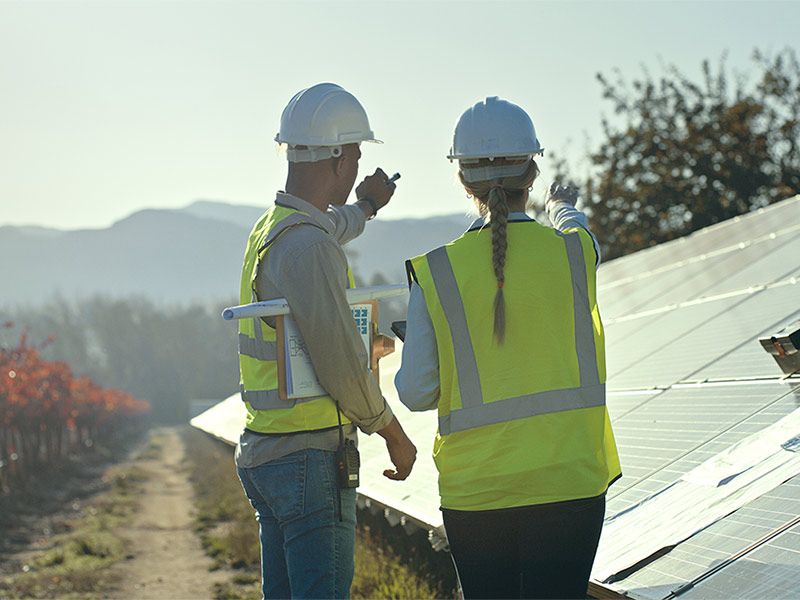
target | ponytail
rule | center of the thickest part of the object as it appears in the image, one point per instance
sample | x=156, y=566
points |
x=492, y=197
x=498, y=215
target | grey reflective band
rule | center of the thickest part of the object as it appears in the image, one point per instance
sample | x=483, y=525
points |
x=469, y=382
x=270, y=399
x=584, y=328
x=258, y=349
x=522, y=407
x=474, y=413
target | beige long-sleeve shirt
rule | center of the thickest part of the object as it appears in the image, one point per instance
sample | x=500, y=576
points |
x=307, y=266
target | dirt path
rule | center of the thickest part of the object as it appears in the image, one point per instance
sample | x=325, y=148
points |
x=167, y=559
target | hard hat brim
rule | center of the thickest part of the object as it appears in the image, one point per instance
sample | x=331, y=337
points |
x=453, y=156
x=341, y=143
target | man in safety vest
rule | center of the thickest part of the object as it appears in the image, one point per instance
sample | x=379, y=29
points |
x=287, y=453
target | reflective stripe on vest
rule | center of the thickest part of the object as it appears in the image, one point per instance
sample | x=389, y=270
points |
x=257, y=347
x=270, y=399
x=474, y=413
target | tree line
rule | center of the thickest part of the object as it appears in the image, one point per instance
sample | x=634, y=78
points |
x=167, y=356
x=681, y=154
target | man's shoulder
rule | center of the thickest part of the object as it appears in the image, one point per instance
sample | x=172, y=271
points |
x=300, y=244
x=303, y=236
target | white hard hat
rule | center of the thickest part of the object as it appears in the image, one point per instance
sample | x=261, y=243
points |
x=323, y=117
x=492, y=129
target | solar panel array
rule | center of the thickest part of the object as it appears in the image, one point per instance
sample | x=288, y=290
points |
x=687, y=379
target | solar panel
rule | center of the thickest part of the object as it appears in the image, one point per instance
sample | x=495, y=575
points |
x=772, y=568
x=418, y=496
x=748, y=360
x=745, y=577
x=759, y=264
x=754, y=264
x=654, y=497
x=672, y=432
x=645, y=340
x=723, y=235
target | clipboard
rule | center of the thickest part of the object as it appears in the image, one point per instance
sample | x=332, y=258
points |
x=296, y=376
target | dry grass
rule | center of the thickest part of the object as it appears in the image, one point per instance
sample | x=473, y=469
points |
x=389, y=563
x=74, y=562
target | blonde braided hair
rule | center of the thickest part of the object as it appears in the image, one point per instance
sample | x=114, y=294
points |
x=492, y=197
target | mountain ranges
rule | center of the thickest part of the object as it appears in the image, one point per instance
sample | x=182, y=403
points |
x=184, y=256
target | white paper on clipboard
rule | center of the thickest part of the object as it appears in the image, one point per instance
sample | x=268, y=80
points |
x=301, y=379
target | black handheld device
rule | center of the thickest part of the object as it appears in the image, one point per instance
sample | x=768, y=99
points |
x=399, y=329
x=347, y=461
x=347, y=464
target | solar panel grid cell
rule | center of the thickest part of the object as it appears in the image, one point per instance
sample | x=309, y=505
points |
x=718, y=328
x=721, y=236
x=679, y=429
x=770, y=570
x=755, y=264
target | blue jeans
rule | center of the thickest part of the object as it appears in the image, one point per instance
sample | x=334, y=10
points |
x=306, y=552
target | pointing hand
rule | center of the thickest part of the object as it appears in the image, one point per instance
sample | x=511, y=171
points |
x=567, y=194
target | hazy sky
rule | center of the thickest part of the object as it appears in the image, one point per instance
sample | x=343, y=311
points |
x=108, y=107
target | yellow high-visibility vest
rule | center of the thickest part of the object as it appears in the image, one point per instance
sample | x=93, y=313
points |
x=523, y=422
x=258, y=351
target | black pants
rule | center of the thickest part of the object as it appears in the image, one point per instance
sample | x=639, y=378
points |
x=540, y=551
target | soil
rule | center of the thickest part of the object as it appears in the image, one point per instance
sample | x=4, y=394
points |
x=165, y=558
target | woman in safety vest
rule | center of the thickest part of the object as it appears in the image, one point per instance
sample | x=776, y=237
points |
x=504, y=339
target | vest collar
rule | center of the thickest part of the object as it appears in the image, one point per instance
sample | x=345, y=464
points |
x=512, y=218
x=319, y=217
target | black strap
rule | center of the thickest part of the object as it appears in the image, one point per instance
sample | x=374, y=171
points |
x=410, y=273
x=341, y=450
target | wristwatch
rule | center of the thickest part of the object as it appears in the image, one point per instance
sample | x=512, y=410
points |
x=372, y=205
